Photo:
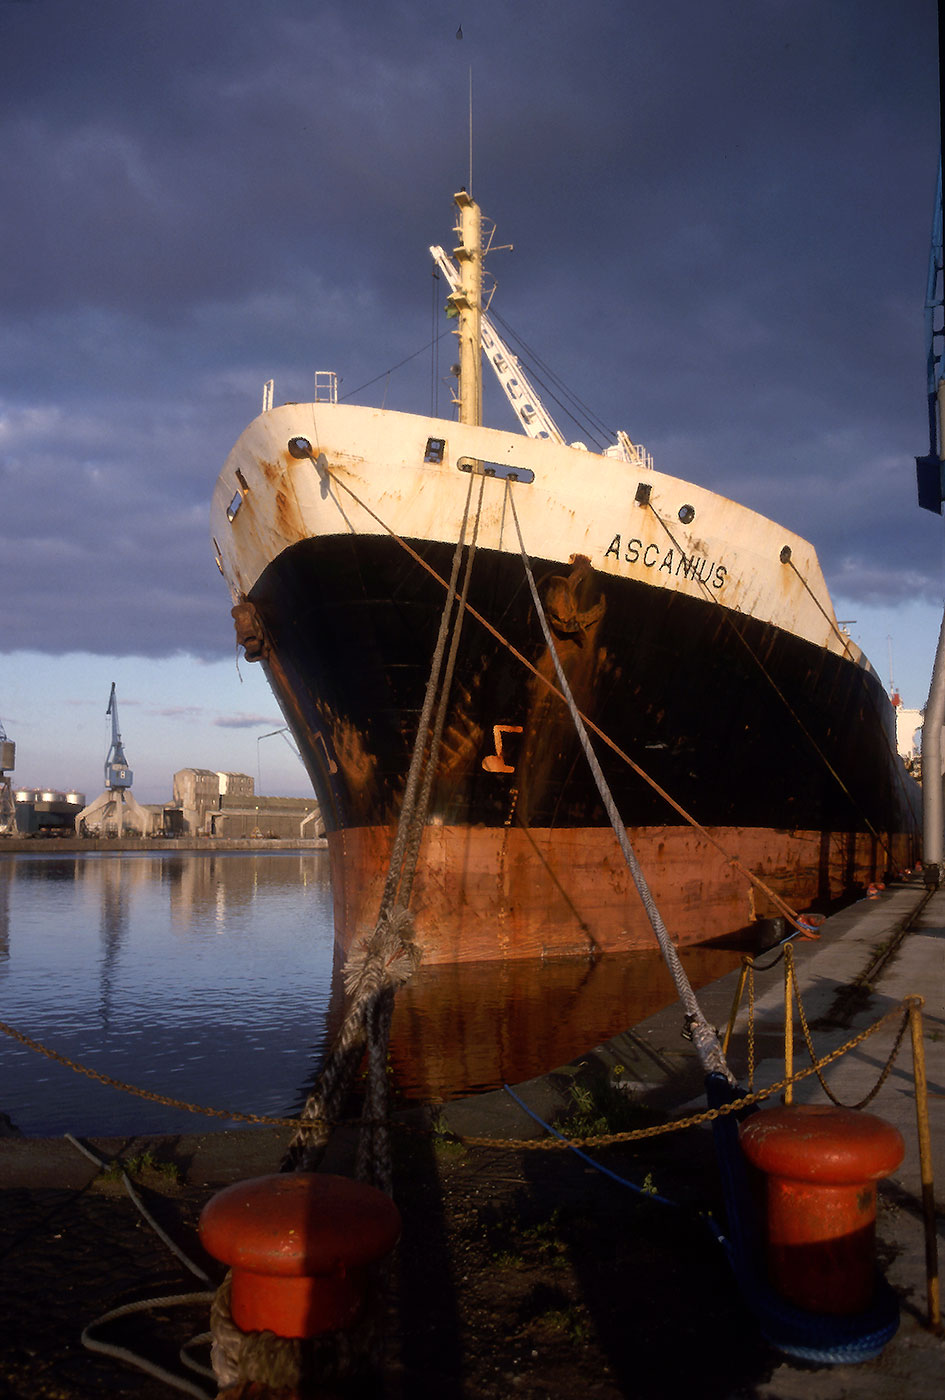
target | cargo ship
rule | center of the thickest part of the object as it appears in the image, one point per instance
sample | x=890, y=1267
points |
x=738, y=725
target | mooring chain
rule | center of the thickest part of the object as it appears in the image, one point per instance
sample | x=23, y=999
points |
x=148, y=1094
x=708, y=1115
x=656, y=1131
x=791, y=973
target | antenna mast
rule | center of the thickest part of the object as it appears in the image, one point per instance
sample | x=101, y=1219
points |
x=465, y=302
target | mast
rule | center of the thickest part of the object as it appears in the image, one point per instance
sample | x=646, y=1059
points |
x=521, y=394
x=467, y=301
x=478, y=336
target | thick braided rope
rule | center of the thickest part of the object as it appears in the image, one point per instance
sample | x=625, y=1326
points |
x=406, y=820
x=387, y=958
x=279, y=1363
x=283, y=1363
x=413, y=845
x=375, y=967
x=369, y=968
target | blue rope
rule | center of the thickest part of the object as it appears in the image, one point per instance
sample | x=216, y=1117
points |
x=830, y=1339
x=620, y=1180
x=649, y=1195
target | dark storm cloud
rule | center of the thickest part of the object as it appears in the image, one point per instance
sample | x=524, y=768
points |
x=720, y=214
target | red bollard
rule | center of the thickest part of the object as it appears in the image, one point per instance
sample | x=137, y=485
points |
x=299, y=1245
x=821, y=1165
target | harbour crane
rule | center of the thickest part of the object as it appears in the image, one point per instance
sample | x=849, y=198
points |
x=117, y=773
x=115, y=810
x=7, y=764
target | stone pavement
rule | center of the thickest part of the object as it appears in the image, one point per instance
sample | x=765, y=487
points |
x=868, y=958
x=73, y=1245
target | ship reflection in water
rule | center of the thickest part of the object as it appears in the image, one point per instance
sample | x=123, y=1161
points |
x=208, y=978
x=464, y=1029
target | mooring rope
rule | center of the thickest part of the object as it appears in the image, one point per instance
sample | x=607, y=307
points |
x=374, y=969
x=373, y=1157
x=379, y=964
x=373, y=1162
x=703, y=1035
x=121, y=1353
x=142, y=1363
x=787, y=558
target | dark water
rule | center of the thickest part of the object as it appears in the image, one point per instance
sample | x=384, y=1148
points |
x=208, y=978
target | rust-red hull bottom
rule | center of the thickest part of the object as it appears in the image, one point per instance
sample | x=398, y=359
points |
x=482, y=893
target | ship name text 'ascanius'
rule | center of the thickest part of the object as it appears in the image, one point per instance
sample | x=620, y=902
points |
x=669, y=561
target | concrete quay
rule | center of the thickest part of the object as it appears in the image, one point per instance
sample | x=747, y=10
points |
x=155, y=845
x=867, y=960
x=524, y=1272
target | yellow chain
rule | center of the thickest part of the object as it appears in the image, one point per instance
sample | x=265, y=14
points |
x=143, y=1093
x=709, y=1115
x=884, y=1072
x=751, y=1024
x=527, y=1144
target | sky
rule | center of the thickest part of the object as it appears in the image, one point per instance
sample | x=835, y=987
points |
x=720, y=216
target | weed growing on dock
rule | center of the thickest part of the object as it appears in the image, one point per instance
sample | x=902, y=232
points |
x=599, y=1108
x=515, y=1245
x=568, y=1322
x=508, y=1259
x=446, y=1144
x=145, y=1167
x=549, y=1313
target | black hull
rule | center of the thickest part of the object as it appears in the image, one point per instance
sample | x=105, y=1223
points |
x=743, y=724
